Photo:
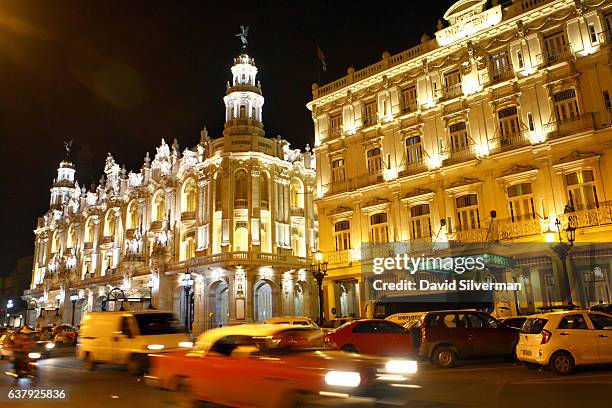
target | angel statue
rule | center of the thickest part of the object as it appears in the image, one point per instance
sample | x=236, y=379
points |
x=244, y=32
x=68, y=147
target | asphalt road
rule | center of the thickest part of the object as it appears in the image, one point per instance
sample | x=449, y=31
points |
x=471, y=384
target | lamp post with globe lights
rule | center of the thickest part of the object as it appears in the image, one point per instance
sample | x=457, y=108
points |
x=562, y=250
x=318, y=269
x=73, y=299
x=150, y=285
x=187, y=284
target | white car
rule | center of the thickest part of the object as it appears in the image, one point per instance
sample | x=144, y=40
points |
x=563, y=340
x=297, y=320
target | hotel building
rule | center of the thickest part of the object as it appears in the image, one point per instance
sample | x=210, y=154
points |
x=487, y=133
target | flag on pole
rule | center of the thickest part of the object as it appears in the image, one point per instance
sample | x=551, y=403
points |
x=321, y=57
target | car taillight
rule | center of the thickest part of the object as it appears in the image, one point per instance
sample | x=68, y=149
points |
x=546, y=335
x=423, y=334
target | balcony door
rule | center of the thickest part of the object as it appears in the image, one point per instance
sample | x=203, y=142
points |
x=458, y=137
x=520, y=199
x=555, y=46
x=468, y=213
x=566, y=105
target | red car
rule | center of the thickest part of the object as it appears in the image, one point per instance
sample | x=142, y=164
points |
x=371, y=336
x=263, y=365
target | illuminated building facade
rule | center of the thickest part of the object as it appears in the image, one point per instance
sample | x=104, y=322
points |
x=220, y=232
x=489, y=132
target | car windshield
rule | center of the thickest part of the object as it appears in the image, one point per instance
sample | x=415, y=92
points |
x=158, y=323
x=533, y=325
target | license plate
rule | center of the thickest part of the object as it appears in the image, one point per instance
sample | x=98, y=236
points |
x=526, y=352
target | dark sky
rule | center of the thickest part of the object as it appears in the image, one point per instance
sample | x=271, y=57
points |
x=117, y=76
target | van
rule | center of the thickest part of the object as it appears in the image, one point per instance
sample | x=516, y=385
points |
x=128, y=337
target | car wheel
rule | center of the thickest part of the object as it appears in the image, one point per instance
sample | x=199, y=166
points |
x=444, y=357
x=561, y=363
x=89, y=363
x=349, y=348
x=184, y=396
x=137, y=364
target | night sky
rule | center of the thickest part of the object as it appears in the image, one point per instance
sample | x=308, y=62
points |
x=117, y=76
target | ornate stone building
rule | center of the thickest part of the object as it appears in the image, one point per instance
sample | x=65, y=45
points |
x=489, y=132
x=232, y=218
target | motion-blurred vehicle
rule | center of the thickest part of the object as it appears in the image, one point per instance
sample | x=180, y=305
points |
x=5, y=345
x=447, y=336
x=564, y=340
x=602, y=307
x=516, y=322
x=261, y=365
x=43, y=347
x=128, y=337
x=46, y=332
x=295, y=320
x=26, y=367
x=371, y=336
x=336, y=322
x=64, y=333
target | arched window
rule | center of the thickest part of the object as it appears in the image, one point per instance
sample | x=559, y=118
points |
x=297, y=194
x=419, y=221
x=342, y=235
x=254, y=113
x=242, y=111
x=379, y=228
x=109, y=223
x=159, y=206
x=218, y=193
x=520, y=199
x=189, y=195
x=132, y=215
x=263, y=190
x=55, y=243
x=90, y=231
x=241, y=189
x=71, y=238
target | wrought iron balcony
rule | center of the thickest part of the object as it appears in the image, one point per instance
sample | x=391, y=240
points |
x=506, y=142
x=600, y=214
x=449, y=92
x=470, y=235
x=495, y=74
x=569, y=126
x=241, y=203
x=409, y=106
x=508, y=229
x=332, y=132
x=413, y=167
x=370, y=120
x=460, y=154
x=555, y=55
x=605, y=37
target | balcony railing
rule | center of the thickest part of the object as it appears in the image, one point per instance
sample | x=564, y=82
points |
x=571, y=125
x=458, y=154
x=413, y=167
x=590, y=217
x=370, y=120
x=188, y=215
x=339, y=257
x=508, y=142
x=508, y=229
x=470, y=235
x=555, y=55
x=449, y=92
x=605, y=37
x=332, y=132
x=495, y=75
x=241, y=203
x=410, y=106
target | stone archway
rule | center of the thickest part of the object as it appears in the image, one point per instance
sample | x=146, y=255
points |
x=263, y=300
x=218, y=304
x=79, y=311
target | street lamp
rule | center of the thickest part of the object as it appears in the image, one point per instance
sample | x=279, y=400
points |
x=150, y=285
x=73, y=299
x=187, y=283
x=9, y=305
x=562, y=250
x=318, y=268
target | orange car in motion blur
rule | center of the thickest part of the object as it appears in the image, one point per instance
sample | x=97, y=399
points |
x=276, y=366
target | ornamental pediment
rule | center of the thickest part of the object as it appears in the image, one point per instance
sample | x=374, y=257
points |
x=340, y=211
x=376, y=204
x=463, y=181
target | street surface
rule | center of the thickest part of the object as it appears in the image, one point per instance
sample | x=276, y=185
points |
x=471, y=384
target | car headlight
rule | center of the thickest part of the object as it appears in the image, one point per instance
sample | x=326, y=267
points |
x=33, y=356
x=156, y=346
x=401, y=366
x=186, y=344
x=343, y=378
x=50, y=346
